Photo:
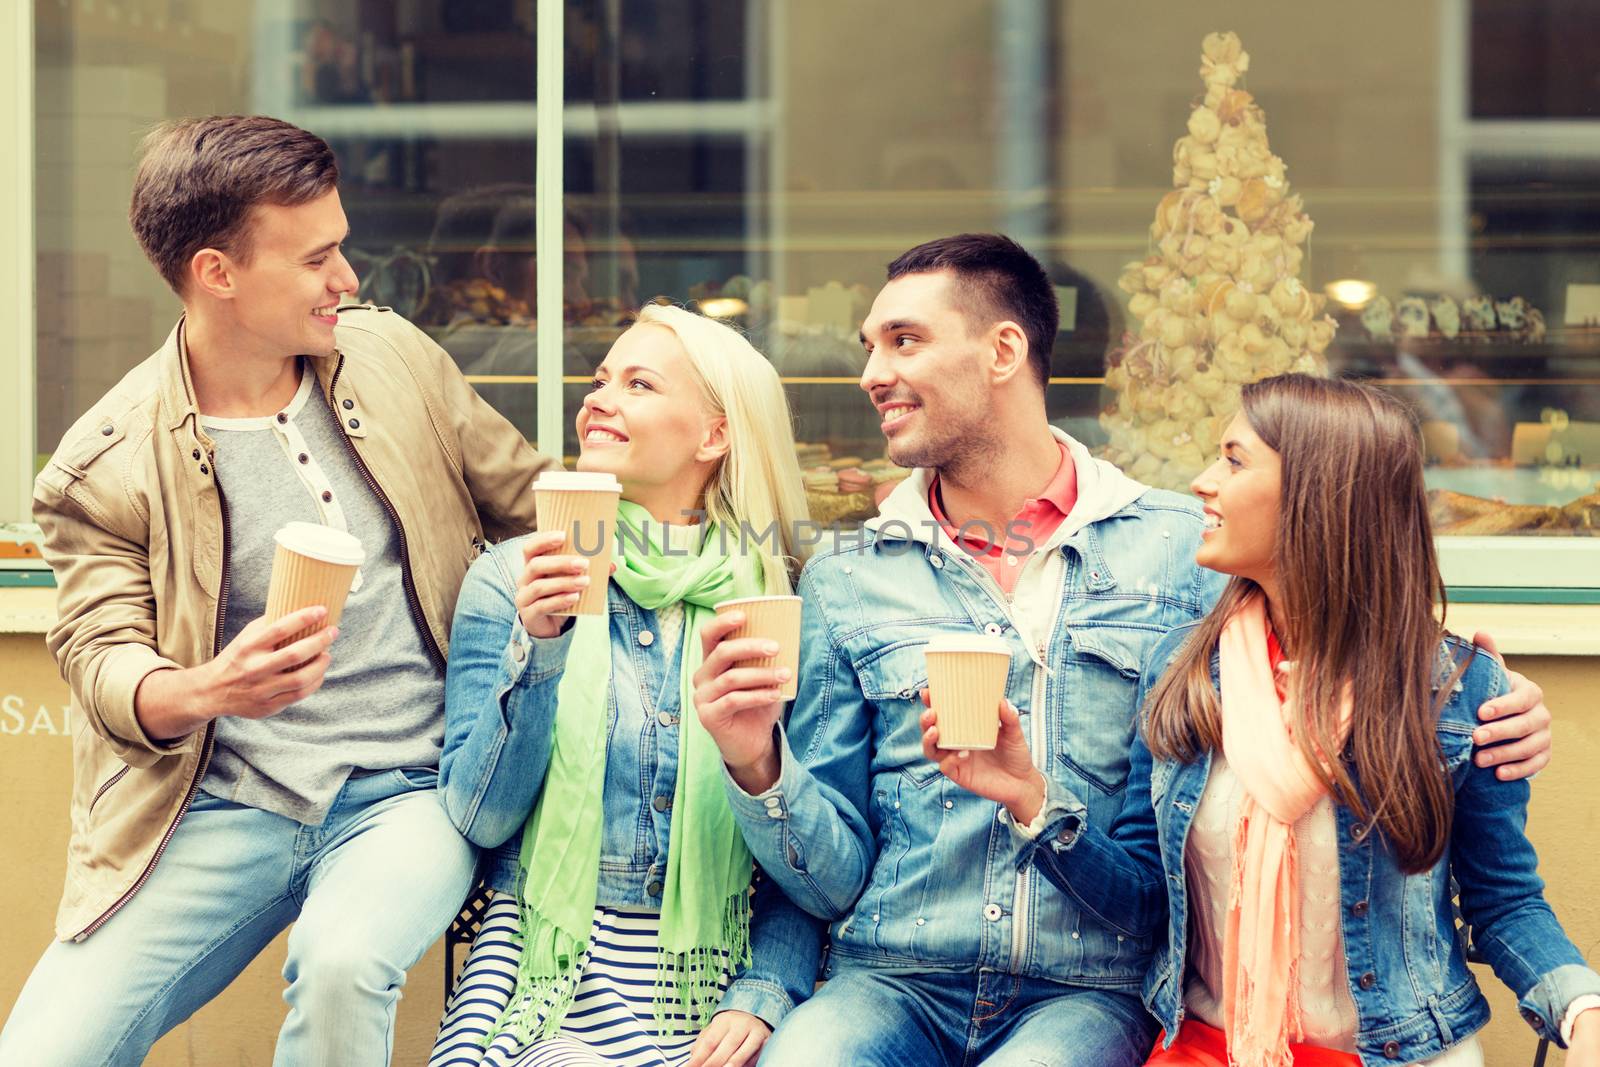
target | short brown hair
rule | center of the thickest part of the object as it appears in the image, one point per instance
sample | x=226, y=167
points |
x=996, y=279
x=199, y=178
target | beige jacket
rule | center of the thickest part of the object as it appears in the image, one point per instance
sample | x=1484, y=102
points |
x=135, y=530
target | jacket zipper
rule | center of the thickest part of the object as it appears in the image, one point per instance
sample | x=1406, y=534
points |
x=1037, y=742
x=1020, y=915
x=113, y=780
x=205, y=745
x=412, y=599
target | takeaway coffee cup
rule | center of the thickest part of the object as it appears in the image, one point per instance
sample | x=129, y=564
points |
x=312, y=564
x=776, y=618
x=966, y=682
x=584, y=506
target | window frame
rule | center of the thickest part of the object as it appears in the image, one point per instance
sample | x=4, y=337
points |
x=1536, y=570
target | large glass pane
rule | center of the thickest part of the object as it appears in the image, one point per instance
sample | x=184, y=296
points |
x=429, y=105
x=103, y=75
x=1449, y=257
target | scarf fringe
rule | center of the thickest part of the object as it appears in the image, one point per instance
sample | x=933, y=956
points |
x=689, y=984
x=547, y=981
x=1240, y=1016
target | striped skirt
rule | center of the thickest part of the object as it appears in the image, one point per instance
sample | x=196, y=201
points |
x=612, y=1021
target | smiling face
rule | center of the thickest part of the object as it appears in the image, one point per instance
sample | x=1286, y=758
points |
x=647, y=421
x=284, y=290
x=925, y=371
x=1241, y=492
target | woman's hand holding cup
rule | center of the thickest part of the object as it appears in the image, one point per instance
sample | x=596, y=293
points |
x=1004, y=774
x=550, y=582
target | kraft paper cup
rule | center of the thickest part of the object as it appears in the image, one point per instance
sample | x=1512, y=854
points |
x=311, y=565
x=775, y=618
x=584, y=506
x=966, y=682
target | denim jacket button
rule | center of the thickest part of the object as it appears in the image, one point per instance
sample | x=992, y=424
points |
x=518, y=653
x=991, y=912
x=661, y=803
x=1391, y=1050
x=1359, y=908
x=666, y=718
x=654, y=889
x=994, y=629
x=937, y=561
x=646, y=638
x=1368, y=980
x=773, y=803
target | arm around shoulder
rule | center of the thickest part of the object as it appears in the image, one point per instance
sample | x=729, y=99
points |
x=1501, y=893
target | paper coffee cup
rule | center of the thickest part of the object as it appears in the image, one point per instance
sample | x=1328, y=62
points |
x=312, y=564
x=584, y=506
x=775, y=618
x=966, y=682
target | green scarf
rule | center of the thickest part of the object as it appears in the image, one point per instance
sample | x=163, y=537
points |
x=705, y=909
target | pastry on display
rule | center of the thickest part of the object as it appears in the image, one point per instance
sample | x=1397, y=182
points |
x=1219, y=299
x=1478, y=313
x=1412, y=316
x=476, y=300
x=1446, y=316
x=1459, y=515
x=1478, y=318
x=844, y=489
x=1378, y=318
x=481, y=301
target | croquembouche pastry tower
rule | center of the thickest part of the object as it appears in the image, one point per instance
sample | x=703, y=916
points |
x=1218, y=302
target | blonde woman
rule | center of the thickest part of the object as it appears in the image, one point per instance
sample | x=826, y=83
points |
x=622, y=929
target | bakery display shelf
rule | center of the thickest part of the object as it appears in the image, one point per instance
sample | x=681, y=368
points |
x=457, y=120
x=1580, y=345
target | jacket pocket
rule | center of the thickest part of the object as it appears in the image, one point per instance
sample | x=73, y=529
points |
x=1094, y=703
x=106, y=787
x=893, y=678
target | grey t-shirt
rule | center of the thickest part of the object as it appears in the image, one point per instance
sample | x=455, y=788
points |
x=381, y=705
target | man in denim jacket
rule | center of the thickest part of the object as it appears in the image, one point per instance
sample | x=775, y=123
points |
x=944, y=946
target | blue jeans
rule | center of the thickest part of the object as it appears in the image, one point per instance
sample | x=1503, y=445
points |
x=368, y=891
x=875, y=1018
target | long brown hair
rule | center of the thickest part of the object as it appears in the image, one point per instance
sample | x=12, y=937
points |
x=1358, y=582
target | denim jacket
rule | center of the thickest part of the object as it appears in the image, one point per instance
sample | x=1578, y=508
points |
x=500, y=704
x=1408, y=974
x=861, y=831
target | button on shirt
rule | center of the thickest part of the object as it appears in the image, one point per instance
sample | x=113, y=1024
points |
x=1027, y=530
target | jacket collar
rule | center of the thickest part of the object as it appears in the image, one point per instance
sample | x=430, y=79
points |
x=1103, y=490
x=178, y=403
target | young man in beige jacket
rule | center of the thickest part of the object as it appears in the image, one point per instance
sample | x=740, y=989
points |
x=225, y=787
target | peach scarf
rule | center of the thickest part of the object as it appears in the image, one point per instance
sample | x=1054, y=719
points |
x=1261, y=945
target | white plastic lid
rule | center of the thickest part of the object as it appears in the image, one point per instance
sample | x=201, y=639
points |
x=588, y=481
x=968, y=643
x=322, y=542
